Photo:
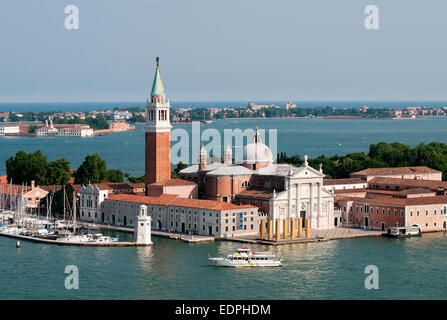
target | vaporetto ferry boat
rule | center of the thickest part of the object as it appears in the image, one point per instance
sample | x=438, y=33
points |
x=245, y=257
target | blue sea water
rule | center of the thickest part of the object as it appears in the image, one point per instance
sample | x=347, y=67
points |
x=313, y=137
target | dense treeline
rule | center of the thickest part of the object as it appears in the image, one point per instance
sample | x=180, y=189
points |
x=26, y=167
x=380, y=155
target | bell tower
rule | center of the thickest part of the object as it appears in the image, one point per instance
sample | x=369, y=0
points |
x=202, y=158
x=158, y=133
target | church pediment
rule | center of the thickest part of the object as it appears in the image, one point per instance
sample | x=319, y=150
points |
x=306, y=172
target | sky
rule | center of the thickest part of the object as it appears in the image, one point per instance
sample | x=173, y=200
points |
x=232, y=50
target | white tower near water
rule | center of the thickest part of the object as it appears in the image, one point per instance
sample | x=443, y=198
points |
x=143, y=227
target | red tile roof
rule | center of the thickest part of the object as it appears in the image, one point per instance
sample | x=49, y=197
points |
x=16, y=189
x=256, y=193
x=118, y=185
x=163, y=200
x=355, y=190
x=173, y=200
x=408, y=182
x=415, y=191
x=396, y=171
x=209, y=204
x=399, y=201
x=330, y=182
x=173, y=182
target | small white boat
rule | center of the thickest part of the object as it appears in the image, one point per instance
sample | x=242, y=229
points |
x=99, y=237
x=404, y=232
x=76, y=238
x=245, y=257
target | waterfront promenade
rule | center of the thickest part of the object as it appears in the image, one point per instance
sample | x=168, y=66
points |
x=315, y=235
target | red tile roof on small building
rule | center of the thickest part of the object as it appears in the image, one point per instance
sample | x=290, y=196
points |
x=355, y=190
x=396, y=171
x=399, y=201
x=173, y=182
x=13, y=189
x=432, y=184
x=118, y=185
x=330, y=182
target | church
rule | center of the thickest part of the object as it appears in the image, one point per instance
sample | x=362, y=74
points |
x=280, y=191
x=223, y=200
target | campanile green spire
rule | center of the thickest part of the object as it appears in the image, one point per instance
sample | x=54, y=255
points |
x=157, y=88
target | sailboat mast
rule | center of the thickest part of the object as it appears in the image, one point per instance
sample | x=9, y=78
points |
x=10, y=195
x=47, y=206
x=74, y=212
x=64, y=203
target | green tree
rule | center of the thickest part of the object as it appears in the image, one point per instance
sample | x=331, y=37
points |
x=59, y=172
x=136, y=179
x=92, y=170
x=180, y=166
x=115, y=175
x=25, y=167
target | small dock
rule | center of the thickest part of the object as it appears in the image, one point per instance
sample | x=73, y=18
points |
x=197, y=239
x=66, y=243
x=315, y=236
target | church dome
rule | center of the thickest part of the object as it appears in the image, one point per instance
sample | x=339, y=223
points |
x=257, y=152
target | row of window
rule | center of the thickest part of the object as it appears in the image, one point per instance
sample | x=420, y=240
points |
x=443, y=212
x=371, y=210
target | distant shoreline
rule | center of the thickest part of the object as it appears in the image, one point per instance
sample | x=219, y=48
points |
x=324, y=117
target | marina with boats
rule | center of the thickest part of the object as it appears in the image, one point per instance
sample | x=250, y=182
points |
x=22, y=225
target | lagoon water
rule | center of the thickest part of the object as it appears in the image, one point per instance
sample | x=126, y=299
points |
x=411, y=268
x=408, y=268
x=314, y=137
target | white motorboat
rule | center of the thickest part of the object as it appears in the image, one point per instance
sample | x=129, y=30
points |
x=99, y=237
x=77, y=238
x=245, y=257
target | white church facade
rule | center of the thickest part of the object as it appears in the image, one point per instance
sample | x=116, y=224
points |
x=304, y=197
